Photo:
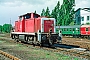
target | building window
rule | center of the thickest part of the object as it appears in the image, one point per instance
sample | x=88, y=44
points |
x=82, y=18
x=87, y=17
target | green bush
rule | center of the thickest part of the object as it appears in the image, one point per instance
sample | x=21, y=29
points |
x=0, y=28
x=6, y=28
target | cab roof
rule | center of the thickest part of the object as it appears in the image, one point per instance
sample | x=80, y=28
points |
x=29, y=14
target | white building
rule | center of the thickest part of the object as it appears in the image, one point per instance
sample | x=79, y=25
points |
x=82, y=16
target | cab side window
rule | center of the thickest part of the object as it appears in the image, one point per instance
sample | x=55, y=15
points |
x=20, y=18
x=27, y=16
x=86, y=29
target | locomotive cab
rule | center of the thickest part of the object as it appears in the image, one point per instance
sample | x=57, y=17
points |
x=48, y=32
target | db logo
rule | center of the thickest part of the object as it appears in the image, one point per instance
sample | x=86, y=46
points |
x=47, y=21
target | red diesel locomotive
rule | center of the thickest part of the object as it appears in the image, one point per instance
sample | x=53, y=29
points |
x=32, y=28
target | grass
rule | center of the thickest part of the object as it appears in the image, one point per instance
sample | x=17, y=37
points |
x=2, y=41
x=34, y=53
x=40, y=54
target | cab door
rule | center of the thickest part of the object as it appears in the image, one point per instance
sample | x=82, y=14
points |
x=48, y=24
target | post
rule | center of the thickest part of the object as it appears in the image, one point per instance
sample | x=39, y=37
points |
x=10, y=24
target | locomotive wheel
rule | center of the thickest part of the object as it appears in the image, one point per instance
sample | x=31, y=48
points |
x=12, y=36
x=17, y=40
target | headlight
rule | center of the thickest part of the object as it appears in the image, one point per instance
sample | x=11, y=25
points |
x=59, y=38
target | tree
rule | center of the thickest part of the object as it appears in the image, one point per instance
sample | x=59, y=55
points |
x=56, y=13
x=53, y=14
x=35, y=12
x=68, y=11
x=47, y=13
x=72, y=23
x=43, y=12
x=62, y=14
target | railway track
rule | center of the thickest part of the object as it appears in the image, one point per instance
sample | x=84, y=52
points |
x=83, y=43
x=73, y=52
x=8, y=55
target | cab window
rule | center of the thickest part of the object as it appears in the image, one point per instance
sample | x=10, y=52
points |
x=27, y=16
x=20, y=18
x=77, y=29
x=65, y=29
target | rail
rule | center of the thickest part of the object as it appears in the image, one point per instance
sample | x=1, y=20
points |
x=9, y=56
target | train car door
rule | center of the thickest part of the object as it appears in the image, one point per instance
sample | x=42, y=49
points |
x=48, y=24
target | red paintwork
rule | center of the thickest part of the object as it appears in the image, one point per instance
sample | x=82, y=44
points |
x=32, y=24
x=22, y=26
x=48, y=24
x=29, y=25
x=83, y=30
x=37, y=24
x=16, y=26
